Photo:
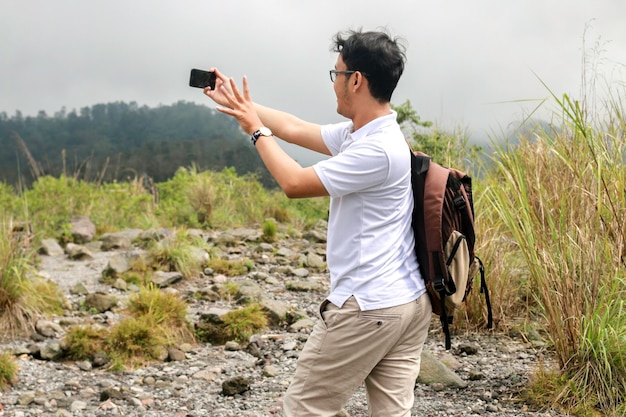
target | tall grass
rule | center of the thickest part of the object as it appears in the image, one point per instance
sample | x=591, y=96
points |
x=191, y=199
x=561, y=199
x=24, y=297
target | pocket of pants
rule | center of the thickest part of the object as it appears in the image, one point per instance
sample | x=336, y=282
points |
x=328, y=313
x=379, y=318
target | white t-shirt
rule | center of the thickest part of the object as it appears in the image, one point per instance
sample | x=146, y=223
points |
x=370, y=251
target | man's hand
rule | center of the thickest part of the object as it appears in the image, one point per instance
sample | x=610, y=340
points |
x=235, y=104
x=216, y=94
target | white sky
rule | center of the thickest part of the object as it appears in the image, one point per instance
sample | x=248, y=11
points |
x=472, y=64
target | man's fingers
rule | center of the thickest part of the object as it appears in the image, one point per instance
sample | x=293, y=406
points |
x=236, y=92
x=246, y=90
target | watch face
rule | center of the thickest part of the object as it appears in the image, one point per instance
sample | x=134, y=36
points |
x=265, y=131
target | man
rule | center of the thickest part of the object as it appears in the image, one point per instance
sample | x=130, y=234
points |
x=375, y=319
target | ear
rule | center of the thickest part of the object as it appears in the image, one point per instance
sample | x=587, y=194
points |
x=358, y=81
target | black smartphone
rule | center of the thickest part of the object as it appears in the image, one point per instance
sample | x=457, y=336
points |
x=202, y=79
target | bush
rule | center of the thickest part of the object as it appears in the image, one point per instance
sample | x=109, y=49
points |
x=166, y=310
x=242, y=323
x=8, y=370
x=179, y=253
x=560, y=199
x=83, y=342
x=237, y=325
x=24, y=297
x=134, y=342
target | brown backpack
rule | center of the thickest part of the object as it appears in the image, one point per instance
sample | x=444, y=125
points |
x=443, y=225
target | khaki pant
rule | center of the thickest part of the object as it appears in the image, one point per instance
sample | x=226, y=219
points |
x=349, y=346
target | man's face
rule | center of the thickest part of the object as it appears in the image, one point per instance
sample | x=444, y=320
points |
x=344, y=100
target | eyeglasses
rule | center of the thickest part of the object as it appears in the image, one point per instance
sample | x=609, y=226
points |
x=333, y=73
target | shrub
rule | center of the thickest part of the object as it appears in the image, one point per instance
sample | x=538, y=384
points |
x=269, y=230
x=166, y=310
x=83, y=342
x=242, y=323
x=561, y=201
x=179, y=253
x=8, y=370
x=228, y=267
x=24, y=297
x=237, y=325
x=134, y=342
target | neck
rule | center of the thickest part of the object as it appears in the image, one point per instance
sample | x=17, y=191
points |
x=369, y=112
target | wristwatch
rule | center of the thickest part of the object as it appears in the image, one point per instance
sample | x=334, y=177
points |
x=263, y=131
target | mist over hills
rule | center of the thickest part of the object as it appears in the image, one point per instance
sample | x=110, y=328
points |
x=117, y=141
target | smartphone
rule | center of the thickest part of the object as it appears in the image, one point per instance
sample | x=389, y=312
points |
x=202, y=79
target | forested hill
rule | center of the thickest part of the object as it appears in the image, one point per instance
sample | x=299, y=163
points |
x=116, y=141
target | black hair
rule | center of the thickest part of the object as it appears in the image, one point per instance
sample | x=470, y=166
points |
x=375, y=54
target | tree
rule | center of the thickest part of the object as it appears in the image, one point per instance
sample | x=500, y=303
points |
x=445, y=148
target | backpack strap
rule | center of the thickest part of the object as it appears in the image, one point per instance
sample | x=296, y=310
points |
x=419, y=167
x=445, y=320
x=485, y=290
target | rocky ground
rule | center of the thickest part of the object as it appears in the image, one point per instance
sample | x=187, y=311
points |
x=488, y=370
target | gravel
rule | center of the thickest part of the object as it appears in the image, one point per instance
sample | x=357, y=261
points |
x=495, y=367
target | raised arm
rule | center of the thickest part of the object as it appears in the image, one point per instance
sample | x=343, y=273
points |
x=284, y=125
x=292, y=129
x=295, y=181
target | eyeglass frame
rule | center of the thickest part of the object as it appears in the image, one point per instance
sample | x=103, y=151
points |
x=333, y=73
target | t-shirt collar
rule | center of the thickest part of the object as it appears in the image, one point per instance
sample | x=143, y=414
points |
x=374, y=125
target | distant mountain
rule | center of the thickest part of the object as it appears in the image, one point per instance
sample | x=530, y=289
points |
x=116, y=141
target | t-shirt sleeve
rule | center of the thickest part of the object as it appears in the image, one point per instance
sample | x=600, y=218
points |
x=363, y=165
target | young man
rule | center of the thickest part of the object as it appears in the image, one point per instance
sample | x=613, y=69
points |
x=375, y=319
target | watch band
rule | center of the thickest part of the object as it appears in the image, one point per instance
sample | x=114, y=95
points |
x=262, y=131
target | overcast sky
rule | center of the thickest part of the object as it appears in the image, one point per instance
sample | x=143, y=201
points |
x=474, y=64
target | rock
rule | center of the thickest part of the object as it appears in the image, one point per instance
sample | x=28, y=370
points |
x=164, y=279
x=82, y=229
x=198, y=256
x=313, y=260
x=174, y=354
x=315, y=236
x=114, y=241
x=232, y=346
x=99, y=360
x=302, y=285
x=78, y=252
x=301, y=272
x=100, y=302
x=432, y=371
x=79, y=289
x=208, y=375
x=51, y=247
x=48, y=328
x=236, y=385
x=249, y=292
x=51, y=350
x=121, y=262
x=270, y=371
x=276, y=310
x=450, y=361
x=111, y=392
x=468, y=349
x=475, y=375
x=299, y=325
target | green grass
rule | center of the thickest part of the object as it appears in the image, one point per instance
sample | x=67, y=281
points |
x=191, y=199
x=166, y=311
x=24, y=296
x=236, y=325
x=559, y=198
x=178, y=253
x=83, y=342
x=153, y=321
x=8, y=370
